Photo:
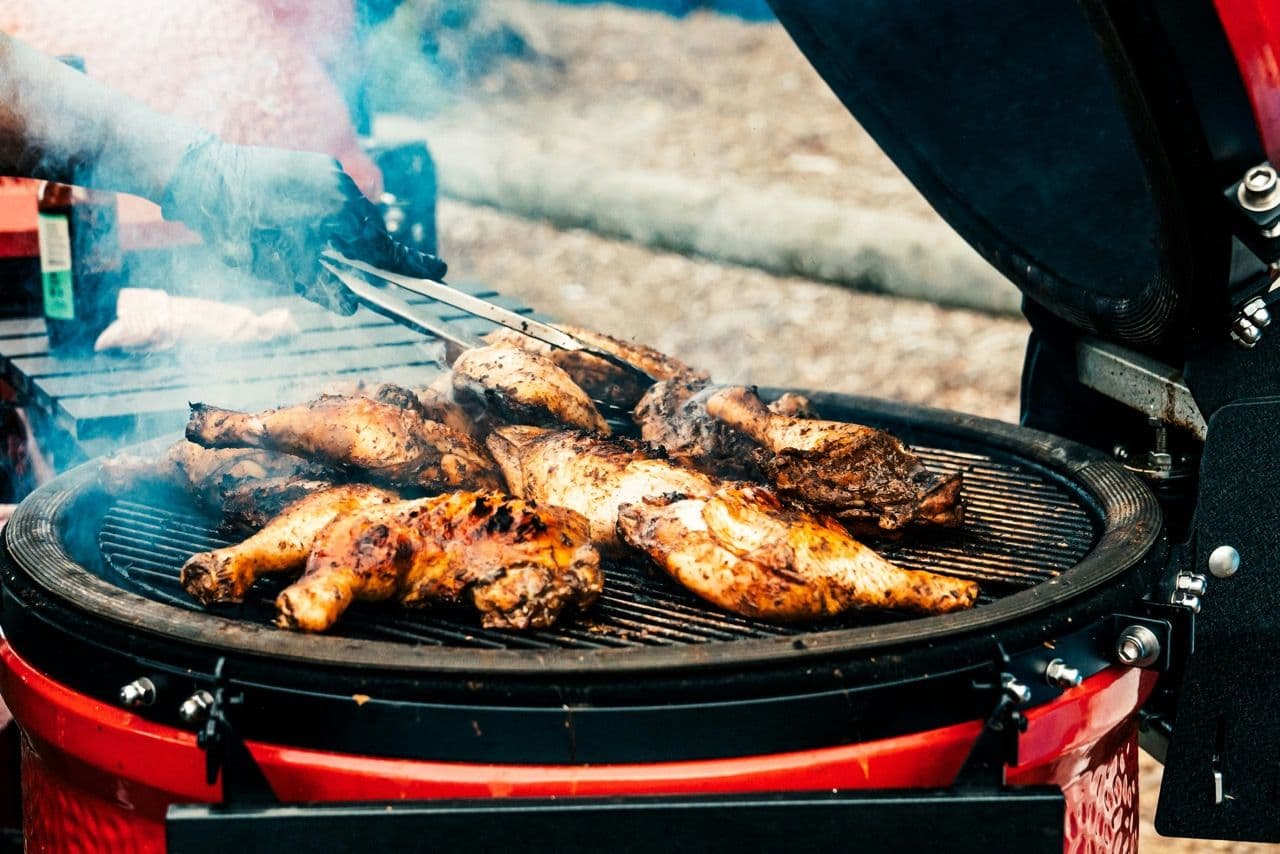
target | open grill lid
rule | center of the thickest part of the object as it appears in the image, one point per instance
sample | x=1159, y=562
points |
x=1081, y=147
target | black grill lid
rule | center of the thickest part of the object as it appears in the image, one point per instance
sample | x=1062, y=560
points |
x=1063, y=140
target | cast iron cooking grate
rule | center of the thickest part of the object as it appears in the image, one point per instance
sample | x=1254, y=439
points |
x=1023, y=528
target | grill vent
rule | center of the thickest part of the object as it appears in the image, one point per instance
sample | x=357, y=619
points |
x=1023, y=528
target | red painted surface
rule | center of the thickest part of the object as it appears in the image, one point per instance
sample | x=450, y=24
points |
x=1253, y=28
x=87, y=764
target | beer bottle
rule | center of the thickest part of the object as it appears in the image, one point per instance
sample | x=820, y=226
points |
x=80, y=260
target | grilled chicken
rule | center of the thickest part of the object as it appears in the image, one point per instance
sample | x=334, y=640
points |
x=253, y=503
x=385, y=442
x=589, y=474
x=600, y=379
x=673, y=415
x=223, y=575
x=740, y=549
x=864, y=476
x=525, y=387
x=237, y=482
x=519, y=565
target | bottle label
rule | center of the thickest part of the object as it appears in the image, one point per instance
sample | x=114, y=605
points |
x=55, y=266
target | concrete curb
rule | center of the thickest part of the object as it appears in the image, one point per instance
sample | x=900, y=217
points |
x=785, y=234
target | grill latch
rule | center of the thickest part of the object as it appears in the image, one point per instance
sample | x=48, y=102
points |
x=225, y=753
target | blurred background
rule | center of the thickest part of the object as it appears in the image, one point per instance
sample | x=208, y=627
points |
x=668, y=171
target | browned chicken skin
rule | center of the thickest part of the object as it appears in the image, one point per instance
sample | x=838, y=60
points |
x=598, y=378
x=864, y=476
x=385, y=442
x=526, y=388
x=589, y=474
x=742, y=550
x=224, y=575
x=519, y=565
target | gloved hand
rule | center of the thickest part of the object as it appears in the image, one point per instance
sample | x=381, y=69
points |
x=274, y=211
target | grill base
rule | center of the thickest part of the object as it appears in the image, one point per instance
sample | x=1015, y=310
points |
x=1060, y=538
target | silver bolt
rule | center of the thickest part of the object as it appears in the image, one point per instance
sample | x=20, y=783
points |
x=1256, y=310
x=1260, y=179
x=1137, y=646
x=1059, y=675
x=1017, y=690
x=1224, y=561
x=138, y=693
x=1196, y=585
x=1186, y=600
x=195, y=708
x=1259, y=190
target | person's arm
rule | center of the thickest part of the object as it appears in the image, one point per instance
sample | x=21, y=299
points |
x=268, y=209
x=61, y=125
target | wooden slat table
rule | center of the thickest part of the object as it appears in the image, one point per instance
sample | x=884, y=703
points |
x=85, y=406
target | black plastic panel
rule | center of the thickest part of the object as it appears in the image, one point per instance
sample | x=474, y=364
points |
x=1028, y=820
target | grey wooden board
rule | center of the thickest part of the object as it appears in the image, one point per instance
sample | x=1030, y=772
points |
x=105, y=400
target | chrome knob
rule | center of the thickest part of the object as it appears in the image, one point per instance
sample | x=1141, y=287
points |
x=1058, y=674
x=138, y=693
x=1224, y=561
x=195, y=708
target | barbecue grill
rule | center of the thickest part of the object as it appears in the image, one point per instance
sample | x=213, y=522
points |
x=1121, y=537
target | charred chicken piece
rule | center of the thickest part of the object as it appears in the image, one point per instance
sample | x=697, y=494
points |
x=598, y=378
x=254, y=503
x=224, y=575
x=525, y=387
x=384, y=442
x=740, y=549
x=673, y=415
x=589, y=474
x=519, y=565
x=864, y=476
x=210, y=476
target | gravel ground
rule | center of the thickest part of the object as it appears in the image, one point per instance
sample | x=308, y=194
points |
x=712, y=97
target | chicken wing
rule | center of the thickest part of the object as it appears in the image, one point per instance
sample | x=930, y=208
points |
x=525, y=387
x=864, y=476
x=384, y=442
x=591, y=475
x=740, y=549
x=520, y=566
x=223, y=575
x=600, y=379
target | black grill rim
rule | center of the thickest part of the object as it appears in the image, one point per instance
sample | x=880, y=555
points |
x=1129, y=513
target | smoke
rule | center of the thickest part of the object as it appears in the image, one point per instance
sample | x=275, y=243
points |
x=295, y=74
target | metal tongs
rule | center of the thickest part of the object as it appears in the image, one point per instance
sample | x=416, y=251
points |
x=377, y=289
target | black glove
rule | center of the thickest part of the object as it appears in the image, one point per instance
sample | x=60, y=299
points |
x=274, y=211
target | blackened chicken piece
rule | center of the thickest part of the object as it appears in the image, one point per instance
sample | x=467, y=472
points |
x=519, y=565
x=213, y=477
x=525, y=387
x=383, y=442
x=673, y=416
x=865, y=477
